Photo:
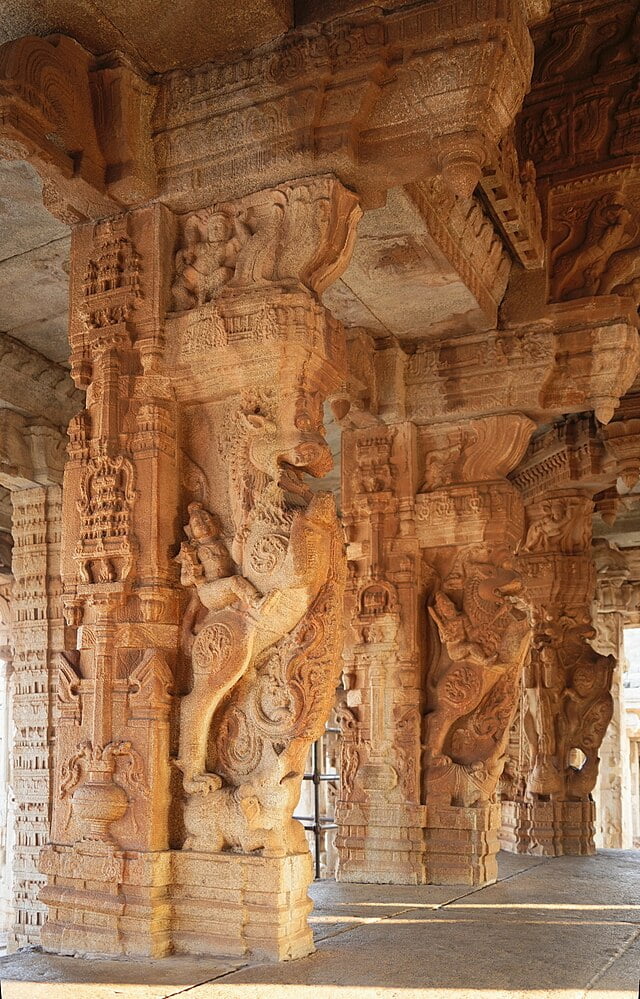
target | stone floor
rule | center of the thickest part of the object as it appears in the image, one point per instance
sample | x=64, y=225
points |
x=566, y=928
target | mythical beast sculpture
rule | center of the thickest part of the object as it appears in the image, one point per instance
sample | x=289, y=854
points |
x=473, y=685
x=265, y=642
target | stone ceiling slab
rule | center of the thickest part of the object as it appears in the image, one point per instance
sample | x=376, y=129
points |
x=155, y=35
x=34, y=254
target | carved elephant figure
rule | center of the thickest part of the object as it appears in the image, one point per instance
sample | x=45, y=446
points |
x=233, y=818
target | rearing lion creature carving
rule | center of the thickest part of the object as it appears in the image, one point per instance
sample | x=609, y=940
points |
x=277, y=632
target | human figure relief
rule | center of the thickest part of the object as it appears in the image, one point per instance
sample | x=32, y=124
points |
x=208, y=258
x=270, y=634
x=544, y=682
x=578, y=272
x=562, y=527
x=484, y=636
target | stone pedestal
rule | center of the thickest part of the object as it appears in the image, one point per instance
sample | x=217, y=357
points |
x=462, y=843
x=378, y=845
x=102, y=899
x=550, y=828
x=241, y=904
x=514, y=837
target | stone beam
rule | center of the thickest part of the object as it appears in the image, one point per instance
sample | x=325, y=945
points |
x=83, y=126
x=381, y=99
x=36, y=386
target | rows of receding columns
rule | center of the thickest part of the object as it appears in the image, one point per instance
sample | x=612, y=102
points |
x=186, y=597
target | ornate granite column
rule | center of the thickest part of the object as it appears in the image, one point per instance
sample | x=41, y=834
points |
x=207, y=358
x=470, y=519
x=254, y=356
x=380, y=814
x=612, y=793
x=568, y=700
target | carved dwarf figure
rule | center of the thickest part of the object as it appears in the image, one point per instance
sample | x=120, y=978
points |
x=561, y=527
x=207, y=260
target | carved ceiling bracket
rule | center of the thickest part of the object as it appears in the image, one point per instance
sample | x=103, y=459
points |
x=84, y=128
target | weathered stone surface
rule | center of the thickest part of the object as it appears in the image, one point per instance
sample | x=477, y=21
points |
x=332, y=239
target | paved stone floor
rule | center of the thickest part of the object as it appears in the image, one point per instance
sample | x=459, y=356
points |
x=566, y=928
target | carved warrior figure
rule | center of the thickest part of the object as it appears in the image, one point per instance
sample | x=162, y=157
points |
x=264, y=646
x=473, y=685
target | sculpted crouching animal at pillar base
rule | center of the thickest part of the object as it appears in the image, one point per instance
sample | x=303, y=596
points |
x=265, y=637
x=473, y=684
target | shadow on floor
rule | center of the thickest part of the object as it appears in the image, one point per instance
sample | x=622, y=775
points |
x=568, y=927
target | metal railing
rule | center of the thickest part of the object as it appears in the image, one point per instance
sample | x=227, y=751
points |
x=318, y=823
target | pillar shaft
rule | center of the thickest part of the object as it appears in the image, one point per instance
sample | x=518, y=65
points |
x=380, y=814
x=472, y=520
x=568, y=704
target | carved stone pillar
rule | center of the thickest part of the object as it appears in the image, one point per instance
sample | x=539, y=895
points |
x=255, y=355
x=37, y=636
x=108, y=865
x=568, y=703
x=207, y=357
x=612, y=793
x=469, y=520
x=380, y=814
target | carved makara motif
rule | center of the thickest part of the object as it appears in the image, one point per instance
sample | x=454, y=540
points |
x=268, y=639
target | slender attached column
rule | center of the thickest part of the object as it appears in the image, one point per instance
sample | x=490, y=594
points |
x=37, y=636
x=380, y=814
x=612, y=793
x=470, y=519
x=108, y=865
x=568, y=700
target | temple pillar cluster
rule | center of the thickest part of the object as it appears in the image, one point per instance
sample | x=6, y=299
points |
x=269, y=272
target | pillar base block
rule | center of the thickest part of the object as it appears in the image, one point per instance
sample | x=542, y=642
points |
x=549, y=828
x=107, y=901
x=514, y=832
x=381, y=844
x=241, y=904
x=462, y=843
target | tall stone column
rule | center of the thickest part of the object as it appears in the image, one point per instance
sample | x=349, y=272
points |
x=37, y=637
x=568, y=700
x=255, y=356
x=612, y=793
x=380, y=814
x=470, y=519
x=207, y=357
x=108, y=864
